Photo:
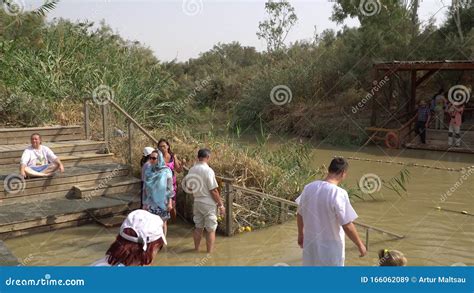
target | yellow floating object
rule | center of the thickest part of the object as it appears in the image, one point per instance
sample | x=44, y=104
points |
x=248, y=229
x=438, y=208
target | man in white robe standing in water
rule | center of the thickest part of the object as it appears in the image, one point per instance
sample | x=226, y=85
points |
x=324, y=215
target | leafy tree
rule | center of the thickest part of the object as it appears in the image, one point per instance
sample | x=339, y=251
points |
x=275, y=29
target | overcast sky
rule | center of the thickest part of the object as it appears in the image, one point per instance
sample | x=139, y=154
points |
x=184, y=28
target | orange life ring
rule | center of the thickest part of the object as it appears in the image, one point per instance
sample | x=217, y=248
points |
x=391, y=140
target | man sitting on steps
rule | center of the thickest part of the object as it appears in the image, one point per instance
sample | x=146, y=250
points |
x=39, y=160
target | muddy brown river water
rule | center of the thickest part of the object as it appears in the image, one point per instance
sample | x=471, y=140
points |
x=433, y=237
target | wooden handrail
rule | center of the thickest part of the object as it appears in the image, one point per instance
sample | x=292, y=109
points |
x=408, y=123
x=230, y=187
x=261, y=194
x=130, y=118
x=121, y=110
x=379, y=230
x=294, y=204
x=131, y=122
x=376, y=130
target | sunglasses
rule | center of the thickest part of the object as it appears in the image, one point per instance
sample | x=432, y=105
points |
x=153, y=158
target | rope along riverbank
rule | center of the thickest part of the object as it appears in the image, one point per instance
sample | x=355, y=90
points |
x=411, y=164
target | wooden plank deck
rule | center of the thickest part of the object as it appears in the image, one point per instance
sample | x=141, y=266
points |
x=48, y=214
x=435, y=146
x=437, y=140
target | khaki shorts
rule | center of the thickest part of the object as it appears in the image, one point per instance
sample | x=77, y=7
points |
x=205, y=216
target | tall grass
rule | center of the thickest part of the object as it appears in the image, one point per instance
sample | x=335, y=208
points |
x=49, y=62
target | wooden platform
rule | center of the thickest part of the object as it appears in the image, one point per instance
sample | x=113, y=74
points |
x=437, y=140
x=434, y=146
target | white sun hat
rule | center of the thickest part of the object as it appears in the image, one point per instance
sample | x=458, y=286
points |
x=149, y=227
x=147, y=151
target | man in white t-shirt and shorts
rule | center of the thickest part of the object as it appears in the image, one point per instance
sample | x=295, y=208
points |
x=324, y=215
x=201, y=182
x=39, y=160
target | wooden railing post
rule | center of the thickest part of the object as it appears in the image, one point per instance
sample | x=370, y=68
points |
x=130, y=140
x=105, y=126
x=229, y=199
x=86, y=119
x=283, y=212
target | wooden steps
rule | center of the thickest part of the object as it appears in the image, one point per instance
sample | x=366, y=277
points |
x=11, y=154
x=60, y=185
x=92, y=188
x=75, y=160
x=10, y=136
x=108, y=187
x=112, y=221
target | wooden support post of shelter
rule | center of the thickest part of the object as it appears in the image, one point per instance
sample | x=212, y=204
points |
x=412, y=102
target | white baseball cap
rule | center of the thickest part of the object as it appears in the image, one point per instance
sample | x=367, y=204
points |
x=147, y=151
x=149, y=227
